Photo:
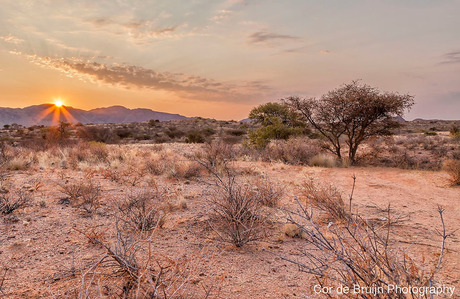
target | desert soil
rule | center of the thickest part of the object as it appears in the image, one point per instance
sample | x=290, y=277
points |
x=40, y=243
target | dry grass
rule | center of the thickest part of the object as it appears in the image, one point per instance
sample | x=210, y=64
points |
x=453, y=168
x=326, y=199
x=269, y=192
x=295, y=151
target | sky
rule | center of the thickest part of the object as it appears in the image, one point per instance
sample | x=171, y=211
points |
x=221, y=58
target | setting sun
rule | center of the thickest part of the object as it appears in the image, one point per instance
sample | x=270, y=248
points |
x=58, y=103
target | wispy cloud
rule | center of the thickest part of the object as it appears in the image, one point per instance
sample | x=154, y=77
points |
x=451, y=57
x=221, y=15
x=135, y=28
x=266, y=36
x=11, y=39
x=130, y=76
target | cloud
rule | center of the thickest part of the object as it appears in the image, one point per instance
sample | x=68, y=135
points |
x=221, y=16
x=265, y=36
x=130, y=76
x=451, y=57
x=298, y=50
x=135, y=28
x=11, y=39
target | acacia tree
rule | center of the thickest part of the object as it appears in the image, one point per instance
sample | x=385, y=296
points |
x=277, y=121
x=356, y=111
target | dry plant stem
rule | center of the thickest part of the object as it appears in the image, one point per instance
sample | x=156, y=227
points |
x=351, y=194
x=357, y=253
x=3, y=280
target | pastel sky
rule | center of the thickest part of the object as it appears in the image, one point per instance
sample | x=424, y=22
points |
x=220, y=58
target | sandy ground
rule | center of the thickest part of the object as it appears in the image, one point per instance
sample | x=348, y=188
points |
x=41, y=242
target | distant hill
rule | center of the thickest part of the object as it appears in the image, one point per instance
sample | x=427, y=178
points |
x=43, y=115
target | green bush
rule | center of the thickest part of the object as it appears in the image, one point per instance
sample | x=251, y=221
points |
x=195, y=137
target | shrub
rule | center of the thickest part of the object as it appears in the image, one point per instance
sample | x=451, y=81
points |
x=358, y=252
x=173, y=132
x=85, y=195
x=123, y=133
x=323, y=160
x=185, y=170
x=209, y=131
x=215, y=154
x=143, y=210
x=269, y=192
x=12, y=201
x=237, y=219
x=326, y=199
x=97, y=133
x=130, y=268
x=195, y=137
x=431, y=133
x=295, y=151
x=237, y=207
x=453, y=168
x=454, y=130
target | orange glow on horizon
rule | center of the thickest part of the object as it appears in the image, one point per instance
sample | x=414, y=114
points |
x=57, y=110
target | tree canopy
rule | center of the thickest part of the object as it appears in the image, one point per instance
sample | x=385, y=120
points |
x=356, y=111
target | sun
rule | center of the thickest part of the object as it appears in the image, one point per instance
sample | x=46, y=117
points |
x=58, y=103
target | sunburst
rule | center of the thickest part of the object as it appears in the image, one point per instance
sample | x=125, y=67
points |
x=57, y=109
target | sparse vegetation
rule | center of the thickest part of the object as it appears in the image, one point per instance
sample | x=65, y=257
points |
x=453, y=168
x=217, y=204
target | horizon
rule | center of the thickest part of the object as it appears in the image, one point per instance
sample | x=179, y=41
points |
x=219, y=59
x=194, y=116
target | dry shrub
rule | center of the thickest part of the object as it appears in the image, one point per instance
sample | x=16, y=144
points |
x=295, y=151
x=185, y=170
x=356, y=252
x=215, y=154
x=20, y=159
x=84, y=194
x=92, y=152
x=326, y=199
x=160, y=162
x=323, y=160
x=269, y=192
x=130, y=269
x=237, y=215
x=453, y=168
x=132, y=175
x=144, y=210
x=5, y=153
x=11, y=201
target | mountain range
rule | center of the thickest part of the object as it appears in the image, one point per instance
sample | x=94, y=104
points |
x=44, y=114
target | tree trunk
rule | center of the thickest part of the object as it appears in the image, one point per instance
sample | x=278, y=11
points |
x=352, y=153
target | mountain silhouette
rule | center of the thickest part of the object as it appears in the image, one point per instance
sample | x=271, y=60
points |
x=44, y=114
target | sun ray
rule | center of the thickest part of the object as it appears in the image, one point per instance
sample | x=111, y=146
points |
x=56, y=116
x=45, y=113
x=69, y=118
